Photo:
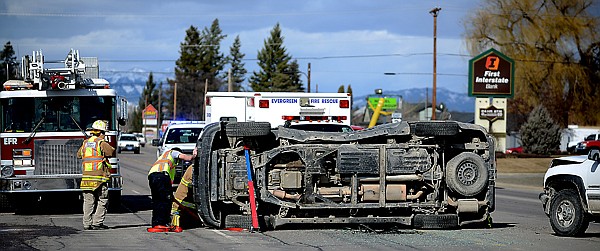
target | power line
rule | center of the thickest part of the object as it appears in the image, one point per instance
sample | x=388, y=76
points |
x=223, y=14
x=303, y=58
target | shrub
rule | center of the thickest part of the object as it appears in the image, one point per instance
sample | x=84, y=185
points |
x=540, y=134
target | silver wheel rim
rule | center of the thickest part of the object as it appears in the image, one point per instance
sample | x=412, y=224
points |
x=467, y=173
x=565, y=213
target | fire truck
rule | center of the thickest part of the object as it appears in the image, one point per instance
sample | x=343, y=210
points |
x=43, y=124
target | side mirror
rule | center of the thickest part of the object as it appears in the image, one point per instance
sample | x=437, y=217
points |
x=123, y=115
x=594, y=155
x=155, y=142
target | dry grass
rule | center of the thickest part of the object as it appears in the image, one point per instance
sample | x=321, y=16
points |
x=523, y=165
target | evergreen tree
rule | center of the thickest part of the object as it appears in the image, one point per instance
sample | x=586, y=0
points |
x=349, y=90
x=341, y=89
x=278, y=72
x=212, y=61
x=238, y=72
x=199, y=64
x=540, y=134
x=188, y=78
x=9, y=61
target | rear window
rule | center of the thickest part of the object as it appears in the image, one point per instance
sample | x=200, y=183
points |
x=323, y=127
x=183, y=135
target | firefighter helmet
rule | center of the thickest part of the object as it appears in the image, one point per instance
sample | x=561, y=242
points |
x=100, y=125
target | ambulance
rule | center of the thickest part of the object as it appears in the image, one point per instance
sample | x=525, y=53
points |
x=280, y=108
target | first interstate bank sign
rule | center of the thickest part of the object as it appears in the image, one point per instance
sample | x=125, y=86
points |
x=491, y=74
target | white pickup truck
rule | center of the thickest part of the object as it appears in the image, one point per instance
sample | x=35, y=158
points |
x=571, y=196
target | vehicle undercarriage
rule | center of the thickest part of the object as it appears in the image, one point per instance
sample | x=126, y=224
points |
x=438, y=174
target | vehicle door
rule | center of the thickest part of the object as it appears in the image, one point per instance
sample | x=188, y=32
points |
x=593, y=181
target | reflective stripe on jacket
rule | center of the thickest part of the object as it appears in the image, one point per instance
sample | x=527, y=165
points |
x=165, y=163
x=96, y=170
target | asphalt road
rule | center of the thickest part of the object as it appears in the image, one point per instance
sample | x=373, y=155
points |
x=55, y=224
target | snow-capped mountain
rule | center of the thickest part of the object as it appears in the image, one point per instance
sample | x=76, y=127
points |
x=130, y=84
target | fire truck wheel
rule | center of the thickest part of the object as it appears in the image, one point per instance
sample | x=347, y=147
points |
x=248, y=129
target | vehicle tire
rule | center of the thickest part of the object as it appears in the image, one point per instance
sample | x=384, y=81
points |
x=435, y=221
x=566, y=214
x=238, y=221
x=248, y=129
x=435, y=128
x=114, y=201
x=118, y=150
x=466, y=174
x=136, y=151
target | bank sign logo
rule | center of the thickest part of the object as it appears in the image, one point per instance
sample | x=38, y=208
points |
x=491, y=75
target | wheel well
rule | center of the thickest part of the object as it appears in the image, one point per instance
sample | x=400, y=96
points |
x=561, y=182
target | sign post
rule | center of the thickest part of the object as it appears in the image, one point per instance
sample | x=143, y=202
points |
x=491, y=81
x=149, y=121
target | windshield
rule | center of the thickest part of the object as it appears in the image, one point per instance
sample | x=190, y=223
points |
x=129, y=138
x=183, y=135
x=54, y=114
x=323, y=127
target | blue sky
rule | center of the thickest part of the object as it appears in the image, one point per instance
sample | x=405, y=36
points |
x=347, y=42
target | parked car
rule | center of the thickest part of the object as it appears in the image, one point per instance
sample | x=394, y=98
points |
x=141, y=138
x=434, y=174
x=514, y=150
x=180, y=136
x=590, y=142
x=128, y=142
x=357, y=128
x=571, y=198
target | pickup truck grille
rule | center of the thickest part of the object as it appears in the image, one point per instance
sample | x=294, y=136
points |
x=57, y=156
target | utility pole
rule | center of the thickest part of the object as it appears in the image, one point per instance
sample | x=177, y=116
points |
x=144, y=116
x=204, y=97
x=308, y=77
x=158, y=118
x=175, y=102
x=229, y=82
x=434, y=12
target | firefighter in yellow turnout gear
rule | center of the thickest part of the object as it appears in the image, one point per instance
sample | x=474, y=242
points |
x=160, y=178
x=180, y=195
x=95, y=152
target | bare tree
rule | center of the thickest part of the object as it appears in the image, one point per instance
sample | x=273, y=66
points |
x=555, y=45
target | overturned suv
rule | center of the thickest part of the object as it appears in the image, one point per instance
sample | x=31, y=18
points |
x=436, y=174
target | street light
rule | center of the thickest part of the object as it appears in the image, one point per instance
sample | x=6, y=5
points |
x=307, y=78
x=307, y=75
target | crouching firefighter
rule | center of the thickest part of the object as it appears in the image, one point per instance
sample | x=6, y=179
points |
x=180, y=203
x=160, y=180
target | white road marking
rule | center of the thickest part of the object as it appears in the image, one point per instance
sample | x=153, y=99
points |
x=221, y=233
